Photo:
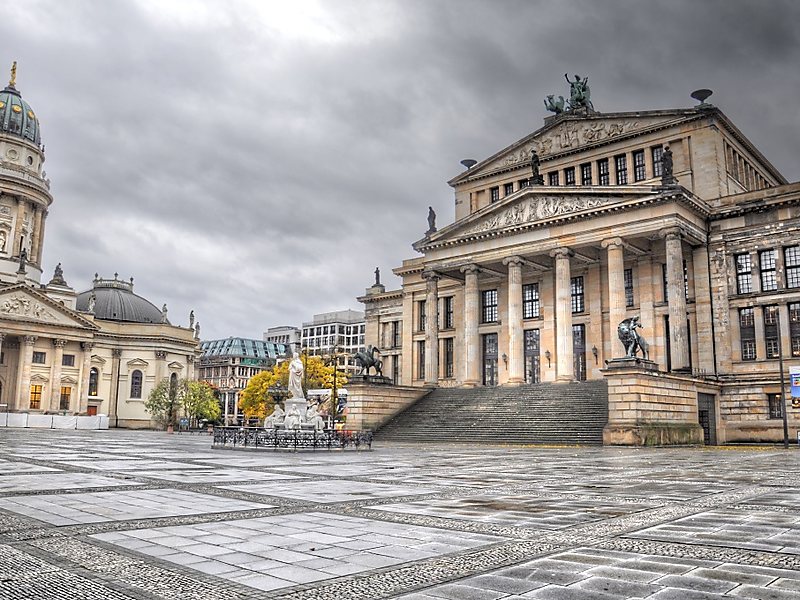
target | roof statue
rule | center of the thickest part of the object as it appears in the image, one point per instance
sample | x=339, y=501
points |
x=164, y=314
x=377, y=275
x=13, y=81
x=555, y=106
x=91, y=303
x=579, y=97
x=58, y=276
x=431, y=221
x=536, y=177
x=667, y=176
x=191, y=319
x=23, y=259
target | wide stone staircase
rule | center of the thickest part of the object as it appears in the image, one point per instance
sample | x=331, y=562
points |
x=542, y=413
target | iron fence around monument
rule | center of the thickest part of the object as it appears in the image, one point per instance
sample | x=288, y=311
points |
x=261, y=438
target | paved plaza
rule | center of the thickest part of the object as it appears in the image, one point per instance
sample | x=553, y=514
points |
x=146, y=515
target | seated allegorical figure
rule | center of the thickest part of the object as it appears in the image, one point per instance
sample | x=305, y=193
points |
x=313, y=417
x=292, y=420
x=276, y=418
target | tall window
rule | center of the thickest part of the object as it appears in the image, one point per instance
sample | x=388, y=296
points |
x=396, y=369
x=489, y=306
x=66, y=393
x=747, y=333
x=94, y=376
x=447, y=352
x=448, y=312
x=628, y=277
x=602, y=172
x=766, y=261
x=39, y=358
x=421, y=315
x=771, y=335
x=775, y=403
x=744, y=273
x=579, y=351
x=791, y=261
x=494, y=194
x=794, y=327
x=576, y=292
x=552, y=178
x=36, y=397
x=639, y=173
x=421, y=359
x=621, y=164
x=523, y=183
x=396, y=331
x=569, y=176
x=586, y=174
x=530, y=301
x=657, y=153
x=532, y=365
x=136, y=384
x=508, y=189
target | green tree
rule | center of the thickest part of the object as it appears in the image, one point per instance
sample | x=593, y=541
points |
x=164, y=401
x=200, y=402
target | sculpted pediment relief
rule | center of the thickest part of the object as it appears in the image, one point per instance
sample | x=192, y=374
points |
x=137, y=362
x=176, y=366
x=25, y=304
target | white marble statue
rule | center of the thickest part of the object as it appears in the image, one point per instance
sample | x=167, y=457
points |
x=313, y=417
x=296, y=377
x=292, y=420
x=276, y=418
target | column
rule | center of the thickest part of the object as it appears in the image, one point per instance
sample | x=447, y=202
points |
x=190, y=370
x=15, y=246
x=26, y=359
x=565, y=369
x=113, y=396
x=161, y=357
x=55, y=374
x=676, y=294
x=616, y=289
x=471, y=318
x=516, y=343
x=83, y=405
x=36, y=234
x=41, y=238
x=702, y=306
x=431, y=328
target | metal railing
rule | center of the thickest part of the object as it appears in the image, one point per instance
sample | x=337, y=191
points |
x=281, y=439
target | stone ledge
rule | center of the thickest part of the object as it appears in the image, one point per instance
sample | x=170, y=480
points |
x=653, y=434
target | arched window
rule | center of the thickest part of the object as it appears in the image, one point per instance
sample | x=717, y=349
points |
x=94, y=376
x=136, y=384
x=173, y=385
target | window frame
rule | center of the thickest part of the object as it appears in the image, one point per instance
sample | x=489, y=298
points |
x=552, y=179
x=743, y=268
x=621, y=169
x=569, y=176
x=768, y=269
x=627, y=276
x=36, y=396
x=508, y=189
x=137, y=384
x=639, y=167
x=489, y=306
x=494, y=194
x=39, y=357
x=791, y=267
x=531, y=301
x=447, y=309
x=603, y=172
x=747, y=333
x=577, y=291
x=586, y=174
x=657, y=155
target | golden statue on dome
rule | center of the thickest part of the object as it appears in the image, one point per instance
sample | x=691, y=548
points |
x=13, y=81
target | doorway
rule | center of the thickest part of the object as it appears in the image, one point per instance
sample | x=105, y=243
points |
x=706, y=415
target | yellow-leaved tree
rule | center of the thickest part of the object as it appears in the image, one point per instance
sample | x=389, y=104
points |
x=258, y=398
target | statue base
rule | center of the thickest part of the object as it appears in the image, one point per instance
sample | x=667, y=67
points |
x=300, y=403
x=371, y=379
x=631, y=362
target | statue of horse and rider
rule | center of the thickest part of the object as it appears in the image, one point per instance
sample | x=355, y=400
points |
x=631, y=339
x=369, y=360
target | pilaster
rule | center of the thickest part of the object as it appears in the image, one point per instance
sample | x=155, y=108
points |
x=24, y=389
x=55, y=374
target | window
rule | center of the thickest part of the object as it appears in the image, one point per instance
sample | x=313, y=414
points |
x=766, y=261
x=66, y=393
x=569, y=176
x=621, y=166
x=532, y=365
x=447, y=347
x=552, y=178
x=639, y=173
x=576, y=292
x=494, y=194
x=396, y=331
x=136, y=384
x=744, y=273
x=794, y=327
x=36, y=397
x=628, y=277
x=396, y=369
x=448, y=312
x=421, y=359
x=791, y=262
x=775, y=403
x=602, y=172
x=657, y=153
x=771, y=336
x=747, y=333
x=94, y=375
x=530, y=301
x=68, y=360
x=39, y=358
x=579, y=351
x=489, y=306
x=523, y=183
x=586, y=174
x=508, y=189
x=421, y=315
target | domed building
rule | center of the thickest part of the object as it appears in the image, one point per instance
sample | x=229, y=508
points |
x=98, y=352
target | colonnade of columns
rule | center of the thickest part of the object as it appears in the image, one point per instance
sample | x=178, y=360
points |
x=617, y=309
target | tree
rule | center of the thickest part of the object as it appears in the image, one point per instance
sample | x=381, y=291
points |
x=163, y=402
x=200, y=402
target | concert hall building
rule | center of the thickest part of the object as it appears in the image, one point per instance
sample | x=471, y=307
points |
x=531, y=280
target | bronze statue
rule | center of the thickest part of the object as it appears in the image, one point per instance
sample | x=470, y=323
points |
x=631, y=339
x=579, y=93
x=431, y=221
x=377, y=276
x=368, y=360
x=536, y=177
x=553, y=105
x=667, y=176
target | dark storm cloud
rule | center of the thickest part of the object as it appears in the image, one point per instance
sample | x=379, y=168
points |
x=256, y=161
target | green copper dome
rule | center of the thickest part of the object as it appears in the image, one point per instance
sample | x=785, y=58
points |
x=16, y=115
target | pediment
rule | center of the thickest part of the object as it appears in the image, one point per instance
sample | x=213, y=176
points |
x=137, y=363
x=69, y=379
x=572, y=133
x=98, y=360
x=26, y=304
x=175, y=366
x=39, y=377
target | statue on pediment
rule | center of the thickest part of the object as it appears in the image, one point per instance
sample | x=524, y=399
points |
x=667, y=175
x=579, y=93
x=536, y=177
x=431, y=221
x=553, y=105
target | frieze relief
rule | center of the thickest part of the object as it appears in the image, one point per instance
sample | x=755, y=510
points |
x=22, y=306
x=537, y=209
x=568, y=136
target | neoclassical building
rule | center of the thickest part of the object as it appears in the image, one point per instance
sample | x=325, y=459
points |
x=97, y=352
x=670, y=215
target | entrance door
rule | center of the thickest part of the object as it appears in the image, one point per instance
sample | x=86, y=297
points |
x=532, y=369
x=707, y=417
x=579, y=351
x=490, y=359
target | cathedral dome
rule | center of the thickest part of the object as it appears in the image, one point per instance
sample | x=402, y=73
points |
x=114, y=300
x=16, y=115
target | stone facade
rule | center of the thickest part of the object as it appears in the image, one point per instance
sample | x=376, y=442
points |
x=531, y=281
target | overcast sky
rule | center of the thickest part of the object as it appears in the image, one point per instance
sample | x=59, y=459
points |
x=255, y=161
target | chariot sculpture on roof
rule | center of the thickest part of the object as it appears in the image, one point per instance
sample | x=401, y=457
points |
x=579, y=97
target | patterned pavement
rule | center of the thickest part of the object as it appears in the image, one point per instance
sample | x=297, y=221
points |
x=151, y=516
